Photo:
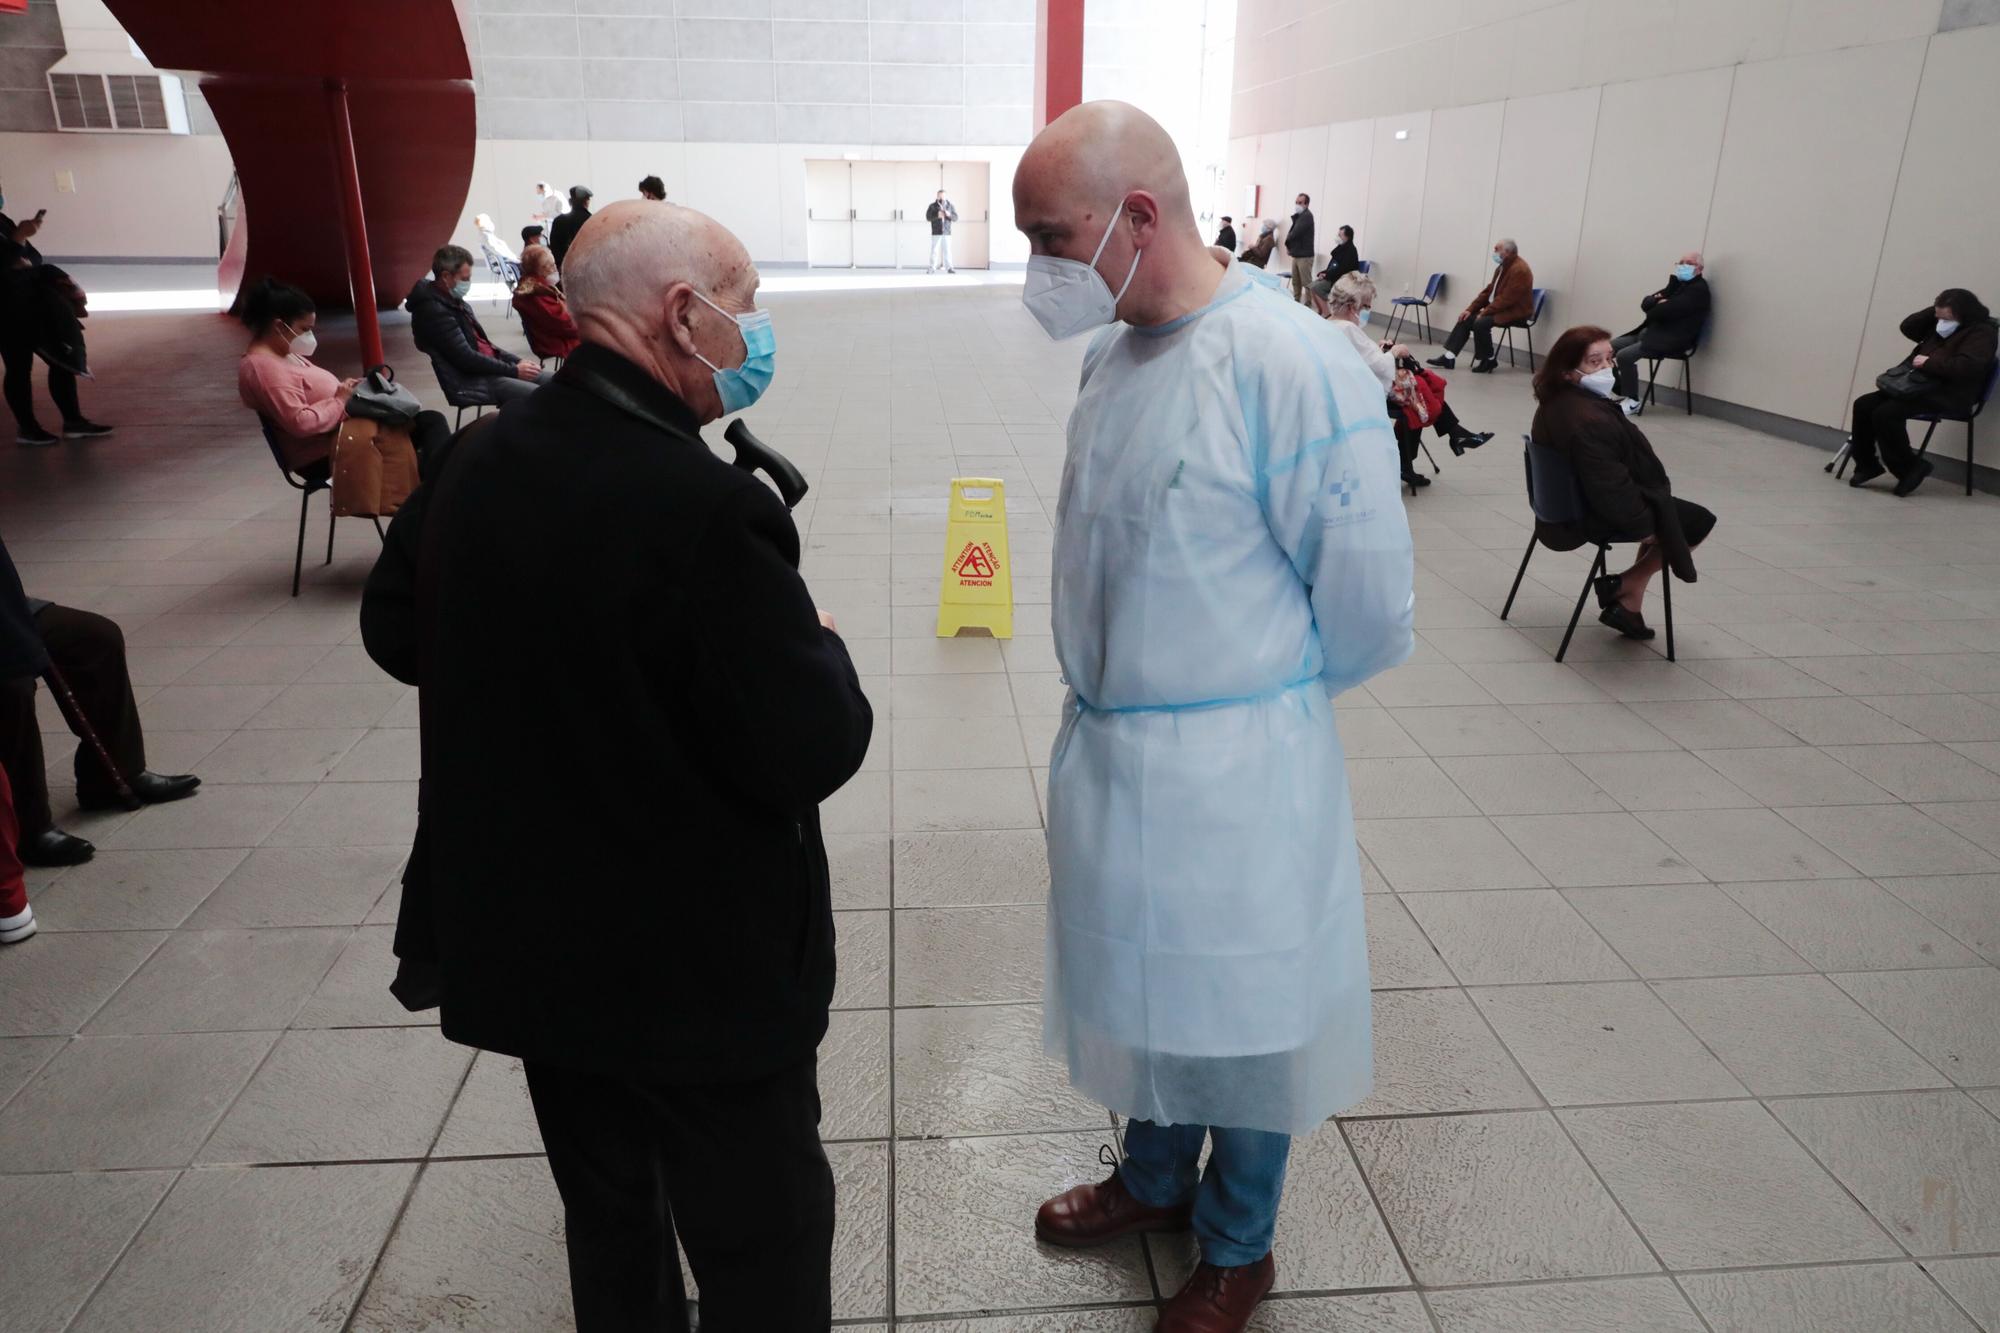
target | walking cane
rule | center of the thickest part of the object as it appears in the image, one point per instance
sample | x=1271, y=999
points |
x=74, y=712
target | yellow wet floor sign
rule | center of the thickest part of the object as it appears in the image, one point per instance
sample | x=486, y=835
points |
x=978, y=588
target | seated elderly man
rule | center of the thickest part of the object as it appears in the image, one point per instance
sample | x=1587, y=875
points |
x=666, y=978
x=1508, y=299
x=1674, y=318
x=86, y=653
x=470, y=369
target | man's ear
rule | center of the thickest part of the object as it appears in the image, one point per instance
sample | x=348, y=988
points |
x=679, y=326
x=1142, y=213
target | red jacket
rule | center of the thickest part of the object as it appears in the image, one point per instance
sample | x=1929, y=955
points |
x=1420, y=397
x=545, y=319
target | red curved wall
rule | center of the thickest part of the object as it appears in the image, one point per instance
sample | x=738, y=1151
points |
x=265, y=70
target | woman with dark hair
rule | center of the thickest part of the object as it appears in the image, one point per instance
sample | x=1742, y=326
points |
x=277, y=380
x=1624, y=485
x=1952, y=360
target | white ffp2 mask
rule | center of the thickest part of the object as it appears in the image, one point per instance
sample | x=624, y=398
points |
x=1600, y=382
x=1068, y=296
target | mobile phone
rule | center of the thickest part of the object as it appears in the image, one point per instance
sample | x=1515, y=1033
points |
x=41, y=213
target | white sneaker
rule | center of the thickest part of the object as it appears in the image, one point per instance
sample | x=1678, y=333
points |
x=14, y=929
x=1632, y=407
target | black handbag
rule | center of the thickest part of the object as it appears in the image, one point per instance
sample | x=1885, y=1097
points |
x=1905, y=382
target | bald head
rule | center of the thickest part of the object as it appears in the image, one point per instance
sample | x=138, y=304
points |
x=635, y=276
x=1110, y=166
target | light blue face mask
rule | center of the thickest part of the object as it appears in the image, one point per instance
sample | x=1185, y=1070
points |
x=461, y=287
x=740, y=386
x=1947, y=327
x=1685, y=272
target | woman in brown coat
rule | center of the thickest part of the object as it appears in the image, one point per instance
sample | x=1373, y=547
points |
x=1955, y=341
x=1624, y=484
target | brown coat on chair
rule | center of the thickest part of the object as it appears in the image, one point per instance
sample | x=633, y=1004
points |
x=374, y=468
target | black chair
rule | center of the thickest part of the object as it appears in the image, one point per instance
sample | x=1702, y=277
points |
x=1541, y=295
x=1557, y=500
x=315, y=478
x=1418, y=307
x=457, y=400
x=1687, y=370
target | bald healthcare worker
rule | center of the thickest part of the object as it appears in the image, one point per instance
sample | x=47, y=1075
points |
x=630, y=712
x=1230, y=551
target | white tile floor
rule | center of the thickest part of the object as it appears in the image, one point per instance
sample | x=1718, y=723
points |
x=1687, y=1012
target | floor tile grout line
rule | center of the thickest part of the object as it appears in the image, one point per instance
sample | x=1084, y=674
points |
x=1388, y=1223
x=124, y=1250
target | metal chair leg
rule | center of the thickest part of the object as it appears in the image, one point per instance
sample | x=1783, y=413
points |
x=1596, y=568
x=1530, y=330
x=1968, y=456
x=329, y=525
x=458, y=420
x=1519, y=574
x=1687, y=383
x=1667, y=597
x=1652, y=381
x=299, y=556
x=1838, y=467
x=380, y=535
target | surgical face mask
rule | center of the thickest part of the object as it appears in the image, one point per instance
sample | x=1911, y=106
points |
x=1298, y=209
x=461, y=287
x=1068, y=296
x=1364, y=312
x=1599, y=382
x=1685, y=272
x=303, y=344
x=1498, y=259
x=740, y=386
x=1947, y=327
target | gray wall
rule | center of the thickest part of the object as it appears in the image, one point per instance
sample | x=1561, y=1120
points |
x=756, y=71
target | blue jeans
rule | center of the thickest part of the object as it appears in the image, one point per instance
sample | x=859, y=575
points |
x=1235, y=1200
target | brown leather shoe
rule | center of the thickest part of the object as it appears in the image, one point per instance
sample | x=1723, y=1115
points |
x=1098, y=1214
x=1219, y=1300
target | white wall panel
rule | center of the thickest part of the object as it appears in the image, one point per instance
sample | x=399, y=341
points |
x=1809, y=159
x=1455, y=232
x=1396, y=174
x=1941, y=230
x=1350, y=155
x=1652, y=175
x=1538, y=195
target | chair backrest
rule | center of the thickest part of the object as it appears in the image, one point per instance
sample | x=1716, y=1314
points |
x=1367, y=267
x=1992, y=382
x=1541, y=295
x=271, y=438
x=1553, y=492
x=1433, y=287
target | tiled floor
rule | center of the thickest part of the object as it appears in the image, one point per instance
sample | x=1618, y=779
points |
x=1687, y=1012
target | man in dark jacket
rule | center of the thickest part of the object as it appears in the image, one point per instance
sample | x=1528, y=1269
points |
x=1952, y=363
x=666, y=975
x=23, y=299
x=88, y=653
x=941, y=214
x=1299, y=245
x=1225, y=239
x=1344, y=260
x=470, y=369
x=1508, y=299
x=563, y=230
x=1674, y=318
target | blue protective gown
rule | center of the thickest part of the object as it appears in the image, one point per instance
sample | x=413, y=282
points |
x=1230, y=547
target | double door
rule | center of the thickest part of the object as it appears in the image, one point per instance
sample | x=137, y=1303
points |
x=871, y=214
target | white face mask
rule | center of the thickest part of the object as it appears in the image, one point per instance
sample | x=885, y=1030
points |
x=1947, y=327
x=1068, y=296
x=1599, y=382
x=303, y=344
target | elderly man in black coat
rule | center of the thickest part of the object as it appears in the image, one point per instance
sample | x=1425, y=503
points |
x=619, y=875
x=86, y=652
x=1675, y=316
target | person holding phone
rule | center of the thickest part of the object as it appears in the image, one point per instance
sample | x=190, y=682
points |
x=19, y=334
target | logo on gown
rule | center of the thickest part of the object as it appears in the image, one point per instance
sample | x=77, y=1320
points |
x=1346, y=488
x=976, y=565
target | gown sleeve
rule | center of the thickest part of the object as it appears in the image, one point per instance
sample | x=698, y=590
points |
x=1328, y=480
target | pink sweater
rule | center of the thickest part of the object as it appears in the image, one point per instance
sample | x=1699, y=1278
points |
x=298, y=397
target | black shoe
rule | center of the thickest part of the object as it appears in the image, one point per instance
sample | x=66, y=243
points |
x=84, y=429
x=1445, y=362
x=1485, y=367
x=1466, y=439
x=1915, y=477
x=1865, y=473
x=147, y=788
x=36, y=439
x=1608, y=589
x=1625, y=622
x=53, y=847
x=1415, y=479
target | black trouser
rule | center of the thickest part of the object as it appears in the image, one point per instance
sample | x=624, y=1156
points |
x=736, y=1169
x=1880, y=421
x=19, y=354
x=89, y=651
x=1627, y=351
x=1408, y=437
x=1480, y=327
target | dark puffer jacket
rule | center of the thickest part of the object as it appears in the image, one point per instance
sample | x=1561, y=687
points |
x=446, y=331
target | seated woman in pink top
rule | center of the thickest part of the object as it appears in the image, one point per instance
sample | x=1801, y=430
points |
x=305, y=404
